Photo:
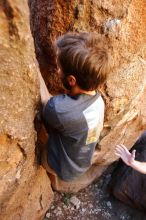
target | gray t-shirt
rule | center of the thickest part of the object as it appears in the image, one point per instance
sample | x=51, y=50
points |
x=74, y=125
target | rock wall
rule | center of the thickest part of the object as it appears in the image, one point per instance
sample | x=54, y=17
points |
x=25, y=191
x=123, y=22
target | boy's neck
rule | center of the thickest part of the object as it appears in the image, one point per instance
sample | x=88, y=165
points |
x=76, y=91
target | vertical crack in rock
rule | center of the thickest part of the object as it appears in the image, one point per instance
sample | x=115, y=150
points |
x=76, y=12
x=40, y=200
x=22, y=151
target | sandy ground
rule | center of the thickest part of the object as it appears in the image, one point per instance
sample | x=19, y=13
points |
x=92, y=203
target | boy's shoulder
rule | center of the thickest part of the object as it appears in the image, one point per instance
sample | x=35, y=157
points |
x=60, y=100
x=66, y=102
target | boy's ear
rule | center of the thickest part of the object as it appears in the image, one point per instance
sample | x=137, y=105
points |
x=71, y=80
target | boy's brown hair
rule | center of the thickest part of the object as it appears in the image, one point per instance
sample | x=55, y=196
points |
x=85, y=56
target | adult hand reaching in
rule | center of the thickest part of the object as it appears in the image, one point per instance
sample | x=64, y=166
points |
x=129, y=158
x=125, y=155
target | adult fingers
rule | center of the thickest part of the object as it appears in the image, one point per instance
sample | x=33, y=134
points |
x=120, y=148
x=119, y=151
x=117, y=154
x=133, y=154
x=124, y=148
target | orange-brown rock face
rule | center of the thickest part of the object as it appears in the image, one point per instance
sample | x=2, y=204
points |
x=123, y=22
x=25, y=191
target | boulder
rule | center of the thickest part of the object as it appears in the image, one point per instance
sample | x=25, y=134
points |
x=123, y=23
x=25, y=191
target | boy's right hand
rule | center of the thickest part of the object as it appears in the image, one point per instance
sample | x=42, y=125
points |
x=125, y=155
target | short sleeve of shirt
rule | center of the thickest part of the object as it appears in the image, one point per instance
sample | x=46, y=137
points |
x=50, y=116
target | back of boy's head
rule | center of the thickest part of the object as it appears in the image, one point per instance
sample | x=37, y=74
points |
x=85, y=56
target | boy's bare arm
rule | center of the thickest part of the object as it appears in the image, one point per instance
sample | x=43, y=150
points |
x=45, y=95
x=129, y=158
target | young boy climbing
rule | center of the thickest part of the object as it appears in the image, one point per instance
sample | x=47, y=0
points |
x=75, y=119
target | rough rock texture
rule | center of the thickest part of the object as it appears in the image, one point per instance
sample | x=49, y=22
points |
x=123, y=22
x=25, y=191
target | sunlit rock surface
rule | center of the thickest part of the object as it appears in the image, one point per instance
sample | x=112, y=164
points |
x=25, y=191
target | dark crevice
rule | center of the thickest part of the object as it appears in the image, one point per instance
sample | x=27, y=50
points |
x=76, y=12
x=40, y=201
x=22, y=151
x=9, y=12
